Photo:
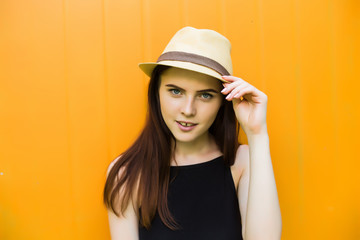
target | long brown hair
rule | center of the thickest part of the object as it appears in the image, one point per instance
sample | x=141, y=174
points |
x=146, y=163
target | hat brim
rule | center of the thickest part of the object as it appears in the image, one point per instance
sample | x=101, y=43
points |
x=148, y=68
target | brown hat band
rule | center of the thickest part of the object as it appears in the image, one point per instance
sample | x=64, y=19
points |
x=193, y=58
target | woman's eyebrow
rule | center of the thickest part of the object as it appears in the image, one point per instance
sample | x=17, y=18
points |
x=200, y=91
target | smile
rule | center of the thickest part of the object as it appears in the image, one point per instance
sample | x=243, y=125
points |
x=186, y=126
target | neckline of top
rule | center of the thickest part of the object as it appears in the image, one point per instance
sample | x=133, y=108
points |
x=197, y=164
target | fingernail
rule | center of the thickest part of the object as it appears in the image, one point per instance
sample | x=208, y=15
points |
x=224, y=90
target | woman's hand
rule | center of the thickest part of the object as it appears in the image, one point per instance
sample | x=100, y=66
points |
x=249, y=104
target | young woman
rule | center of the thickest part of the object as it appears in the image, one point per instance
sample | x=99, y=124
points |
x=186, y=176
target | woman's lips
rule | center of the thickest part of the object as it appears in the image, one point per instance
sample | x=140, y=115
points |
x=186, y=128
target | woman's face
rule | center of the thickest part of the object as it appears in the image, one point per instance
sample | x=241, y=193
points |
x=189, y=103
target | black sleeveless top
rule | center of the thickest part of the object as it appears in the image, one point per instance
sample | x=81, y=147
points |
x=202, y=198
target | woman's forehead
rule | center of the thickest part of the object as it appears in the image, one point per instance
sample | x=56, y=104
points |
x=186, y=78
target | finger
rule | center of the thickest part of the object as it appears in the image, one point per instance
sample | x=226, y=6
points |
x=233, y=81
x=232, y=78
x=236, y=92
x=240, y=92
x=230, y=87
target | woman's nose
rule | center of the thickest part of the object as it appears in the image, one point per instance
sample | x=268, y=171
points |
x=188, y=108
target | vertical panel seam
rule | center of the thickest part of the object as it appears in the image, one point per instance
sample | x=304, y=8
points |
x=299, y=110
x=186, y=12
x=334, y=94
x=181, y=9
x=106, y=83
x=262, y=44
x=68, y=131
x=223, y=15
x=142, y=36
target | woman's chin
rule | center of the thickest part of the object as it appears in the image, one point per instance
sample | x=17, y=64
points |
x=190, y=139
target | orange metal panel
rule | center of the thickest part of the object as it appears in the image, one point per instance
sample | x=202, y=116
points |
x=72, y=98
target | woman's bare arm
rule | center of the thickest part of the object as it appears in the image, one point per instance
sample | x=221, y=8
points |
x=125, y=226
x=263, y=216
x=242, y=164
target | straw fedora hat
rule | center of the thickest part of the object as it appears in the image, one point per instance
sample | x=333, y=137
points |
x=200, y=50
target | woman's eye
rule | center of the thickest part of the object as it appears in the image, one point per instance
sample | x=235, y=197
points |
x=206, y=95
x=175, y=91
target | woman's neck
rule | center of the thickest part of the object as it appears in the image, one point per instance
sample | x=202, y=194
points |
x=197, y=151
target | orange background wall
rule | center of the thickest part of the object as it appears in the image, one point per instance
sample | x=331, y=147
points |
x=72, y=99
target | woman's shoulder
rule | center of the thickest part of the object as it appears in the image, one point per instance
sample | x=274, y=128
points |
x=111, y=165
x=120, y=174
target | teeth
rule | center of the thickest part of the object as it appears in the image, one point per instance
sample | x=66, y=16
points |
x=186, y=124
